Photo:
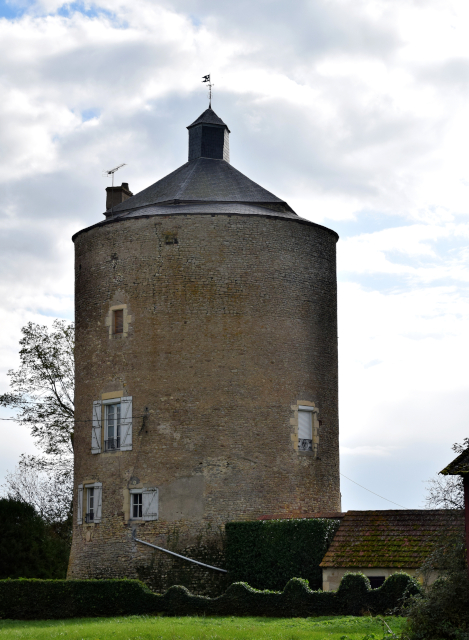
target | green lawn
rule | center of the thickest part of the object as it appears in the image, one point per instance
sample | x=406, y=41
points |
x=190, y=628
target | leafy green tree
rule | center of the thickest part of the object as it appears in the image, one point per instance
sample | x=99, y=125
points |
x=442, y=613
x=42, y=394
x=29, y=548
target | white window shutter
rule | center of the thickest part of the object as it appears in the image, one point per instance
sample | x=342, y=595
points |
x=150, y=504
x=305, y=425
x=126, y=423
x=98, y=501
x=80, y=505
x=96, y=428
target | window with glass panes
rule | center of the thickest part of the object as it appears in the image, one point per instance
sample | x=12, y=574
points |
x=305, y=428
x=119, y=321
x=137, y=505
x=90, y=506
x=112, y=439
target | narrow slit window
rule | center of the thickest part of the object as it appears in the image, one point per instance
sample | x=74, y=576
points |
x=119, y=321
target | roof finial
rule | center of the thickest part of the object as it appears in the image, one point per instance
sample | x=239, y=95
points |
x=210, y=85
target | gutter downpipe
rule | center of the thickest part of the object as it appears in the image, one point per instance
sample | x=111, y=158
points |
x=208, y=566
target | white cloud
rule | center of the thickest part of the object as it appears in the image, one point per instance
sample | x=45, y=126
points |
x=353, y=111
x=367, y=450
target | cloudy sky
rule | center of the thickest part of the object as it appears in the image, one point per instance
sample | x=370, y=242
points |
x=354, y=111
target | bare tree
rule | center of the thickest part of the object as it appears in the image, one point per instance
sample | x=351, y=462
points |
x=42, y=393
x=447, y=492
x=49, y=493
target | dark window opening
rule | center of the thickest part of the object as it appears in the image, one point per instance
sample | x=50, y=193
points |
x=112, y=444
x=137, y=505
x=119, y=321
x=305, y=444
x=213, y=139
x=376, y=581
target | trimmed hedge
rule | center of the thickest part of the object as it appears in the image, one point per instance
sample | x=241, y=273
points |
x=267, y=553
x=48, y=599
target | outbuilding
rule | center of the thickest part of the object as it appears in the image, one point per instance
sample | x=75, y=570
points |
x=380, y=543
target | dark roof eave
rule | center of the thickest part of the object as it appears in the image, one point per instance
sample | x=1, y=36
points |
x=209, y=124
x=268, y=204
x=459, y=466
x=268, y=214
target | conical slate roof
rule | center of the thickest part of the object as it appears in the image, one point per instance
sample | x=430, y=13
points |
x=208, y=180
x=201, y=180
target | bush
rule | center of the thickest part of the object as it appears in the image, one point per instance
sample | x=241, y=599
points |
x=49, y=599
x=443, y=611
x=267, y=553
x=29, y=548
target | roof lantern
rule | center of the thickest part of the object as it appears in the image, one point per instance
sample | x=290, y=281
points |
x=209, y=137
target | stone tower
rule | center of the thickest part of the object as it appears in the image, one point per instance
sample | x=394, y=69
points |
x=206, y=364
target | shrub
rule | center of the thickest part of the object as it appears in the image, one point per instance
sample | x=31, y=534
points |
x=48, y=599
x=353, y=593
x=267, y=553
x=442, y=612
x=29, y=548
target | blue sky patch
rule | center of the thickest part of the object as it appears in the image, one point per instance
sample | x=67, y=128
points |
x=383, y=282
x=367, y=221
x=11, y=10
x=91, y=11
x=89, y=114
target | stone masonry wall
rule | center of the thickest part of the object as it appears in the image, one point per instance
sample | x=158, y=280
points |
x=230, y=323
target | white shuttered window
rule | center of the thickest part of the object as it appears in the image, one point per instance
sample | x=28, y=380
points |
x=93, y=498
x=98, y=497
x=80, y=504
x=96, y=428
x=126, y=423
x=150, y=504
x=117, y=425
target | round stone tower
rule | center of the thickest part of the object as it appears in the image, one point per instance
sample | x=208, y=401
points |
x=206, y=366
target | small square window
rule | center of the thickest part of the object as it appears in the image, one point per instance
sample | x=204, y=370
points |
x=118, y=321
x=137, y=505
x=144, y=504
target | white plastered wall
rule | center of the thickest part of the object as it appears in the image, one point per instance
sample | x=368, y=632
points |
x=331, y=576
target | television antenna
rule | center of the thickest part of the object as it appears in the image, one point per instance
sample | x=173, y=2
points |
x=111, y=172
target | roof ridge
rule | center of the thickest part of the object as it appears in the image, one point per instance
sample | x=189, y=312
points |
x=183, y=184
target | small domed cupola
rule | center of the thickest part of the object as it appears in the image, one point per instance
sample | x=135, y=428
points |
x=209, y=137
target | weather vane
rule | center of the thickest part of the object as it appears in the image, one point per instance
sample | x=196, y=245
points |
x=111, y=172
x=210, y=85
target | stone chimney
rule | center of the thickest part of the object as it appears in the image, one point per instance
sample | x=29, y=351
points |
x=116, y=195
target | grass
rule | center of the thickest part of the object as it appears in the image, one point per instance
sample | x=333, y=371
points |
x=191, y=628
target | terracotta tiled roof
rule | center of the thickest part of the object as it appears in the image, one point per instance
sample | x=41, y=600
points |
x=394, y=538
x=459, y=466
x=336, y=515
